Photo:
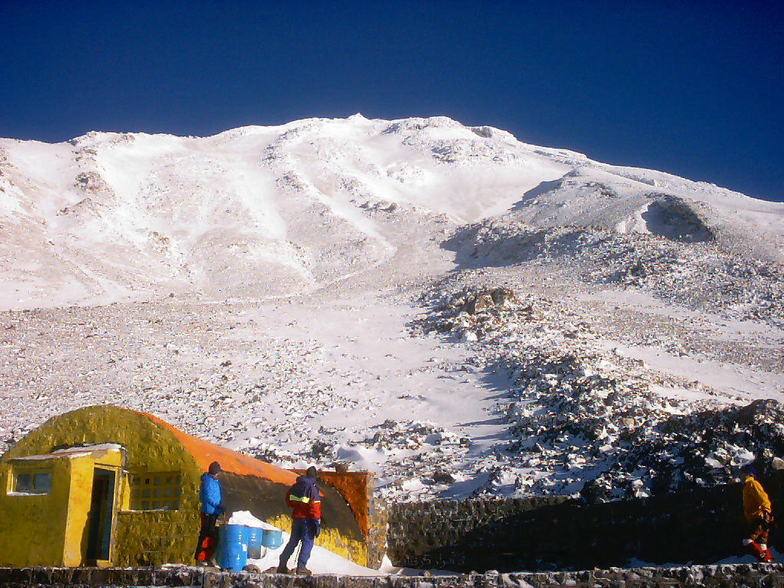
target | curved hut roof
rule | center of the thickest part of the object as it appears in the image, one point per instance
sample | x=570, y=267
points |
x=205, y=453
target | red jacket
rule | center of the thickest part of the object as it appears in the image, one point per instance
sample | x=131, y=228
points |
x=304, y=499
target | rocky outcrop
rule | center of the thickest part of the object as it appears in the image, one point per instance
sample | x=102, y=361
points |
x=689, y=268
x=584, y=419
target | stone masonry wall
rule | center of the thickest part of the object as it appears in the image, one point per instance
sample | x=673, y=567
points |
x=457, y=535
x=758, y=575
x=701, y=526
x=377, y=533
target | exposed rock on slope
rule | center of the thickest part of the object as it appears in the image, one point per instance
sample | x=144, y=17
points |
x=628, y=200
x=691, y=273
x=585, y=420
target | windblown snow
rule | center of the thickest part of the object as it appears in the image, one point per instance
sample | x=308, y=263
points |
x=461, y=312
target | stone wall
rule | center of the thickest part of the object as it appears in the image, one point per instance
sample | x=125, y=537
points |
x=458, y=534
x=758, y=575
x=377, y=533
x=701, y=526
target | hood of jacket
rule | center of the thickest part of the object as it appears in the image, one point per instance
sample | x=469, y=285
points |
x=304, y=484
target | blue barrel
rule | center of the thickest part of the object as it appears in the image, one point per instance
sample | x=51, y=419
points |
x=273, y=538
x=233, y=548
x=255, y=541
x=233, y=533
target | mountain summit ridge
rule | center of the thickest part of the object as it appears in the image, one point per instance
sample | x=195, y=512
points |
x=257, y=211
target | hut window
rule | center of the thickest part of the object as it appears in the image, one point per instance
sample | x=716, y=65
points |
x=155, y=491
x=32, y=482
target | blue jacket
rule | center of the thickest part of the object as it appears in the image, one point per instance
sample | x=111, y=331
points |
x=211, y=495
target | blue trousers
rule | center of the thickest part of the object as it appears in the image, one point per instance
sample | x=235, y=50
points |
x=302, y=530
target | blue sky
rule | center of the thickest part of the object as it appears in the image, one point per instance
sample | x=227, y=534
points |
x=694, y=88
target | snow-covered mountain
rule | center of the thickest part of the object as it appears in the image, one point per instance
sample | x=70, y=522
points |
x=269, y=210
x=462, y=313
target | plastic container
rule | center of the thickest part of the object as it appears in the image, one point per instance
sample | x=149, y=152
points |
x=273, y=538
x=255, y=541
x=233, y=547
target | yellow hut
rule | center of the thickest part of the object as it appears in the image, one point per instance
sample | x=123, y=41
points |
x=110, y=486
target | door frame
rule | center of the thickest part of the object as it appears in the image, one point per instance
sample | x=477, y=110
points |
x=116, y=471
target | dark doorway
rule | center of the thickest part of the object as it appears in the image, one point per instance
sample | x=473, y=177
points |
x=99, y=521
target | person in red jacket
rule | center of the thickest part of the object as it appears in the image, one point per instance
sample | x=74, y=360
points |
x=304, y=498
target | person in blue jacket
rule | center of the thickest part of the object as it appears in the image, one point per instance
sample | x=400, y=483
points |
x=211, y=495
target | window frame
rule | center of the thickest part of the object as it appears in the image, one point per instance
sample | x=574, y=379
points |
x=160, y=491
x=34, y=474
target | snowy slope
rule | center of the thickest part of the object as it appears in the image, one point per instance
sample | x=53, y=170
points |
x=270, y=210
x=645, y=201
x=311, y=293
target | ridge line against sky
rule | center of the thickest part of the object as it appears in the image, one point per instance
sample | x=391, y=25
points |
x=694, y=89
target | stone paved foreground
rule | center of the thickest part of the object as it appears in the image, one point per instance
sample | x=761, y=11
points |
x=756, y=575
